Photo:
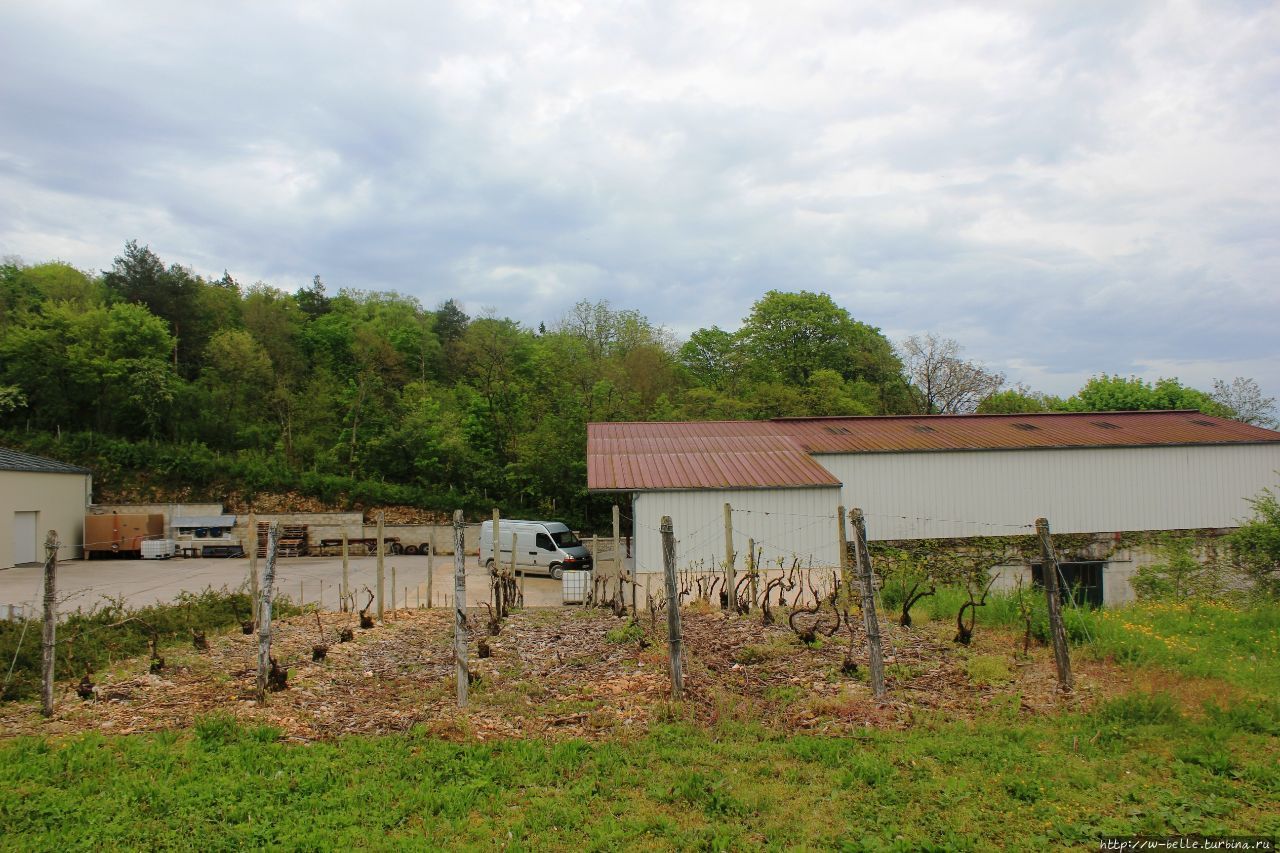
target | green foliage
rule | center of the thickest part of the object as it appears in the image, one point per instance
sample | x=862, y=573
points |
x=1116, y=394
x=1256, y=544
x=628, y=633
x=89, y=640
x=1179, y=576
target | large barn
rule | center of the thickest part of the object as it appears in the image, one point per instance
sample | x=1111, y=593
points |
x=928, y=477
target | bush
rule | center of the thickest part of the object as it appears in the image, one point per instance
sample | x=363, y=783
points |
x=1256, y=544
x=87, y=641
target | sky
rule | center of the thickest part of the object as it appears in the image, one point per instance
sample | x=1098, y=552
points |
x=1066, y=188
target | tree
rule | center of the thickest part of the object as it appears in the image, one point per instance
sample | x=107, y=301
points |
x=944, y=383
x=789, y=336
x=1119, y=394
x=1244, y=398
x=1017, y=400
x=713, y=358
x=1256, y=544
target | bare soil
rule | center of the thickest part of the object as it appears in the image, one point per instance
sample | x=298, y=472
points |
x=555, y=672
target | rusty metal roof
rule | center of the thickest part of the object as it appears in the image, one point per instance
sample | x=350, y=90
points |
x=778, y=453
x=996, y=432
x=698, y=455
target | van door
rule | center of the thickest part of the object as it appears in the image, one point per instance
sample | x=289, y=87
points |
x=547, y=551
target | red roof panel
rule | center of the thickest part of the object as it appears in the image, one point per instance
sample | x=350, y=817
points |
x=763, y=454
x=994, y=432
x=699, y=455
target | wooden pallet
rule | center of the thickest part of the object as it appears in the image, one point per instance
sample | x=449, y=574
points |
x=292, y=541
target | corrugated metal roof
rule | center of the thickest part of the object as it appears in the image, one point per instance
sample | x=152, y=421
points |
x=699, y=455
x=762, y=454
x=15, y=460
x=995, y=432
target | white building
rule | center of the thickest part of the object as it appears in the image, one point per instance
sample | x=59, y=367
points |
x=929, y=477
x=38, y=495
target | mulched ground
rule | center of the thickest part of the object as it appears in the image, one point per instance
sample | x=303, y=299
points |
x=556, y=672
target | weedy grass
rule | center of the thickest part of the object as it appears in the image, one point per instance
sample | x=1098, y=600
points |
x=1134, y=765
x=1234, y=641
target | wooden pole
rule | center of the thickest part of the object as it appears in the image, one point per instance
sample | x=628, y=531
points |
x=302, y=595
x=1049, y=569
x=48, y=653
x=264, y=613
x=431, y=563
x=346, y=571
x=596, y=571
x=381, y=572
x=846, y=571
x=617, y=548
x=393, y=589
x=751, y=571
x=730, y=575
x=673, y=607
x=496, y=570
x=507, y=604
x=253, y=566
x=460, y=609
x=869, y=604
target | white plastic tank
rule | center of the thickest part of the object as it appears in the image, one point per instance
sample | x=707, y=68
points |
x=577, y=585
x=157, y=549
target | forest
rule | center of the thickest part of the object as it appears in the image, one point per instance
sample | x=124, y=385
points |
x=171, y=386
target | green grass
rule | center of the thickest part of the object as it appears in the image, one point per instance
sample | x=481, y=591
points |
x=1236, y=642
x=1136, y=765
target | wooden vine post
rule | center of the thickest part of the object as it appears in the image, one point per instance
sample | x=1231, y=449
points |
x=867, y=583
x=431, y=563
x=264, y=613
x=346, y=570
x=617, y=552
x=1049, y=570
x=846, y=572
x=460, y=608
x=752, y=573
x=495, y=565
x=730, y=574
x=253, y=567
x=48, y=656
x=381, y=570
x=673, y=607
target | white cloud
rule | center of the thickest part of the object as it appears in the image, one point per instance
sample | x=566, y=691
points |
x=1067, y=189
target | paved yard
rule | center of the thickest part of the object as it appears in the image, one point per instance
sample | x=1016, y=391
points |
x=81, y=583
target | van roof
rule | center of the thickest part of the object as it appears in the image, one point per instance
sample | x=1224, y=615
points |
x=550, y=525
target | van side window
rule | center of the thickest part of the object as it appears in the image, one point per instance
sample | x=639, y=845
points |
x=545, y=543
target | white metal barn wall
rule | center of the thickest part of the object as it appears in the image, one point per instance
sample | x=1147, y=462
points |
x=786, y=523
x=1088, y=490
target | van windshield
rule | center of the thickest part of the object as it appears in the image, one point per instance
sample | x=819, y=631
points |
x=566, y=539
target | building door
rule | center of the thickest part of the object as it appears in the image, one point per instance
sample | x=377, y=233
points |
x=24, y=537
x=1083, y=582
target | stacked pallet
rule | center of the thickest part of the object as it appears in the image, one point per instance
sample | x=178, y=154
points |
x=292, y=541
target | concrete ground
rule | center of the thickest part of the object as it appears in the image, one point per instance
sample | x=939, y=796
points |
x=83, y=583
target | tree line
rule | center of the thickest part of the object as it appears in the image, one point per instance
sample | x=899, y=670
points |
x=155, y=376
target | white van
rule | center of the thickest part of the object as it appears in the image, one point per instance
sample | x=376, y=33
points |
x=542, y=547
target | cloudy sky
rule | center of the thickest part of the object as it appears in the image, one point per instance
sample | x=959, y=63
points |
x=1065, y=188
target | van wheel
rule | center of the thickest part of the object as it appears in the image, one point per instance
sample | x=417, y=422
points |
x=489, y=566
x=557, y=571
